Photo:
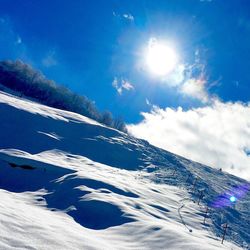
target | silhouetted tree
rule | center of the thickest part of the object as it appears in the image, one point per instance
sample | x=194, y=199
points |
x=25, y=80
x=120, y=125
x=107, y=118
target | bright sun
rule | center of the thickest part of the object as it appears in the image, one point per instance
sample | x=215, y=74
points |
x=160, y=58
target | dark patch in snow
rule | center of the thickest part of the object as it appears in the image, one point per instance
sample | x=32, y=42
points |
x=160, y=208
x=98, y=215
x=27, y=167
x=156, y=228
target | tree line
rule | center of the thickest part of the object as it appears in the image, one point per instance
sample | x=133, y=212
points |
x=22, y=78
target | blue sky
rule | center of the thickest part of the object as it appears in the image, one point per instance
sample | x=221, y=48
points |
x=86, y=45
x=200, y=109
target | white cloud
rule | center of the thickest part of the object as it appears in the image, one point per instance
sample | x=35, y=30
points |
x=122, y=84
x=217, y=135
x=126, y=16
x=49, y=60
x=129, y=17
x=195, y=88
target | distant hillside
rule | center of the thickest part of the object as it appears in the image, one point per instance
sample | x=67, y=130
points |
x=23, y=79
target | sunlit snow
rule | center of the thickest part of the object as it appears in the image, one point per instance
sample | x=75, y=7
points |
x=67, y=182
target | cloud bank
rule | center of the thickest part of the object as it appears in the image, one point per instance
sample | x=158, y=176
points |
x=217, y=135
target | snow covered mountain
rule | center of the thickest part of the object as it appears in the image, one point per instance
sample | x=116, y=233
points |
x=68, y=182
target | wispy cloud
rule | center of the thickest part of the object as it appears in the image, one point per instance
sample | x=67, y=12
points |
x=18, y=40
x=7, y=32
x=49, y=60
x=195, y=88
x=122, y=84
x=195, y=84
x=129, y=17
x=217, y=135
x=126, y=16
x=148, y=102
x=189, y=79
x=10, y=40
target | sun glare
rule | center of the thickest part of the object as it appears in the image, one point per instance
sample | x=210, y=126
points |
x=160, y=58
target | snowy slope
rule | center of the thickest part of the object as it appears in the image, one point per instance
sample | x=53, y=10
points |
x=67, y=182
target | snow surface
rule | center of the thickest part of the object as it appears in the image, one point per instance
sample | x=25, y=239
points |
x=67, y=182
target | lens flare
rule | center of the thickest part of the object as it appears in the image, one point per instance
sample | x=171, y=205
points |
x=231, y=196
x=233, y=199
